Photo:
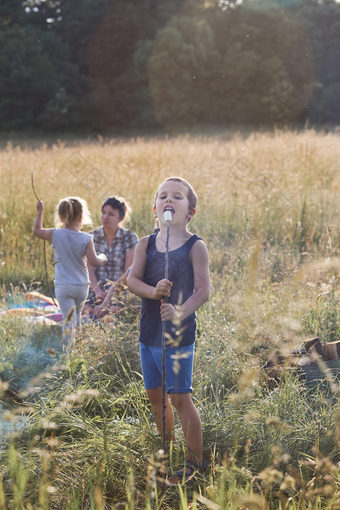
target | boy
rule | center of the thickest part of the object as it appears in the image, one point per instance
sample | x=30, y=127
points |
x=186, y=289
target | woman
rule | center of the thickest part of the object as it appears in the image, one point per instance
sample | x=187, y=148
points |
x=118, y=244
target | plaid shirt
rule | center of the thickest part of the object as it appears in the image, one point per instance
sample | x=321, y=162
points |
x=122, y=243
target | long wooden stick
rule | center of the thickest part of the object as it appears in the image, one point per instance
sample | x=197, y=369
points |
x=166, y=275
x=33, y=188
x=45, y=260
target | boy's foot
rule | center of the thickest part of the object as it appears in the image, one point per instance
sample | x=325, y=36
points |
x=188, y=473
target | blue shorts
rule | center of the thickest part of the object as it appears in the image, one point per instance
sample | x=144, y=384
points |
x=178, y=367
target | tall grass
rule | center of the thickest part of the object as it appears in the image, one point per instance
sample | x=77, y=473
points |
x=269, y=212
x=279, y=189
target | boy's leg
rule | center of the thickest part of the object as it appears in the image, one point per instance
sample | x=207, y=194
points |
x=152, y=375
x=179, y=377
x=191, y=425
x=155, y=397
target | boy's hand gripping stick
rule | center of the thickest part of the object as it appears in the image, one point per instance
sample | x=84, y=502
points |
x=167, y=217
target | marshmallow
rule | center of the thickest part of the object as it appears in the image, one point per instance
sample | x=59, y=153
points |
x=167, y=215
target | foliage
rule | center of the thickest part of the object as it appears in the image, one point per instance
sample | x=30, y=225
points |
x=233, y=67
x=35, y=80
x=170, y=64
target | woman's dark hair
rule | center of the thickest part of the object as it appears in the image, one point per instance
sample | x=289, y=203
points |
x=117, y=203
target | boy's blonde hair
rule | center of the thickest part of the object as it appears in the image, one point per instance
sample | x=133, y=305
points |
x=69, y=209
x=192, y=197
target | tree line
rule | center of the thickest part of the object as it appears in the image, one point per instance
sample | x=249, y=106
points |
x=126, y=64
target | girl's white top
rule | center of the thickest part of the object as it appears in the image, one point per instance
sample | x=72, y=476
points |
x=69, y=255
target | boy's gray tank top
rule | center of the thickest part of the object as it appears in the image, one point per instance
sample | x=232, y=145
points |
x=69, y=255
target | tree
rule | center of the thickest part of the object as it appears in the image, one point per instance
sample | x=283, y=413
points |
x=179, y=63
x=211, y=66
x=30, y=80
x=117, y=52
x=322, y=22
x=11, y=12
x=182, y=72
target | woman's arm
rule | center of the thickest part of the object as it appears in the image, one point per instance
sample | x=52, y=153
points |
x=38, y=229
x=92, y=257
x=118, y=285
x=135, y=277
x=200, y=264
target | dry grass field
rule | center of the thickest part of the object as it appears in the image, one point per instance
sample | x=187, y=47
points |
x=269, y=212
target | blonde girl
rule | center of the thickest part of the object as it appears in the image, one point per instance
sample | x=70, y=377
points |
x=71, y=250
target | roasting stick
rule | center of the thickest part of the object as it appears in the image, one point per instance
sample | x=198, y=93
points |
x=167, y=217
x=45, y=261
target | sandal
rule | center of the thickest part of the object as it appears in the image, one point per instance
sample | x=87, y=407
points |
x=189, y=472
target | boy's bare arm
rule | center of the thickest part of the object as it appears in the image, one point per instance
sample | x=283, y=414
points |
x=135, y=277
x=200, y=264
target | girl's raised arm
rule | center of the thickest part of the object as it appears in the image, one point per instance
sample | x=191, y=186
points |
x=38, y=229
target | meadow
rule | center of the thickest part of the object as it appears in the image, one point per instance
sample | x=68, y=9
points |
x=269, y=212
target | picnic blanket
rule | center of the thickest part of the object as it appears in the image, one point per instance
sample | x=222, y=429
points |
x=34, y=307
x=38, y=308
